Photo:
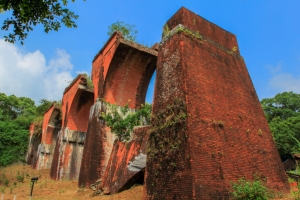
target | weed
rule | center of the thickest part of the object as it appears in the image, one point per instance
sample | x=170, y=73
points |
x=250, y=190
x=20, y=177
x=6, y=183
x=260, y=132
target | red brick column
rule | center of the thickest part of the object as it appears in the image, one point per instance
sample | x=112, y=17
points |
x=227, y=134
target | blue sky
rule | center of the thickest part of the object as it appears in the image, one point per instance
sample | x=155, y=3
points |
x=268, y=34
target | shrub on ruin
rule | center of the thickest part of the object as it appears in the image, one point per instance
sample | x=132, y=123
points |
x=122, y=120
x=250, y=190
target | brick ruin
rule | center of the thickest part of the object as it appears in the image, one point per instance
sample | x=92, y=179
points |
x=50, y=128
x=207, y=126
x=32, y=153
x=76, y=103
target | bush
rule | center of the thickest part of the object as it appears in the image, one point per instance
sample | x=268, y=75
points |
x=250, y=190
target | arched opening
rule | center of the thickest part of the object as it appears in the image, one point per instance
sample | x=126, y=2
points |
x=150, y=90
x=137, y=179
x=78, y=115
x=129, y=75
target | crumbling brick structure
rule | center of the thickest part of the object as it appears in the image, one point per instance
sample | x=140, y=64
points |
x=34, y=141
x=220, y=133
x=76, y=103
x=207, y=127
x=50, y=128
x=121, y=74
x=127, y=163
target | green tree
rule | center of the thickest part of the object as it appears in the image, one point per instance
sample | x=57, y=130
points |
x=282, y=113
x=26, y=14
x=128, y=30
x=16, y=114
x=43, y=107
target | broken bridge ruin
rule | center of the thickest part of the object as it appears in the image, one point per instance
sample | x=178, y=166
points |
x=207, y=127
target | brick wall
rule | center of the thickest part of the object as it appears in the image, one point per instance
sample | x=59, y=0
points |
x=98, y=145
x=126, y=164
x=50, y=128
x=76, y=103
x=34, y=141
x=227, y=134
x=122, y=71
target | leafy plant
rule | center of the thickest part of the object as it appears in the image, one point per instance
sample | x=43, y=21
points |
x=26, y=14
x=6, y=183
x=128, y=30
x=20, y=177
x=250, y=190
x=89, y=81
x=121, y=120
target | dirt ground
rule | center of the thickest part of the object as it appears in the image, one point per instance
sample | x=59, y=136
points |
x=11, y=184
x=46, y=188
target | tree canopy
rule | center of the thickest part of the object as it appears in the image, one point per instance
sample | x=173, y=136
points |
x=16, y=114
x=128, y=30
x=26, y=14
x=283, y=115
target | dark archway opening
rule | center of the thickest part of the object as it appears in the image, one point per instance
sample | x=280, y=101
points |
x=137, y=179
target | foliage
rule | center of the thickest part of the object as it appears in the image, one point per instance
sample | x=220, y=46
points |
x=16, y=114
x=89, y=81
x=121, y=120
x=26, y=14
x=250, y=190
x=43, y=107
x=128, y=30
x=283, y=105
x=282, y=113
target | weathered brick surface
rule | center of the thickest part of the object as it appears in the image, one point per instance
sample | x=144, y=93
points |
x=98, y=145
x=50, y=128
x=76, y=103
x=228, y=135
x=205, y=28
x=122, y=71
x=121, y=74
x=34, y=141
x=127, y=163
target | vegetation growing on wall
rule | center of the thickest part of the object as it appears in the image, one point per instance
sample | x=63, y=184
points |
x=121, y=120
x=89, y=81
x=166, y=151
x=128, y=30
x=250, y=190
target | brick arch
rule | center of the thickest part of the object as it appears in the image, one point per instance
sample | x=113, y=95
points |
x=128, y=77
x=78, y=113
x=122, y=71
x=51, y=121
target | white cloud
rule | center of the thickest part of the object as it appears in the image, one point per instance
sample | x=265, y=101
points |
x=82, y=72
x=28, y=74
x=283, y=82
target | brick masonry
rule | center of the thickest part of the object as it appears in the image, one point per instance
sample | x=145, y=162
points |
x=126, y=164
x=76, y=103
x=224, y=135
x=228, y=135
x=50, y=128
x=121, y=74
x=34, y=141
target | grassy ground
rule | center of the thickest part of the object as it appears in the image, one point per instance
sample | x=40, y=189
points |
x=15, y=180
x=11, y=184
